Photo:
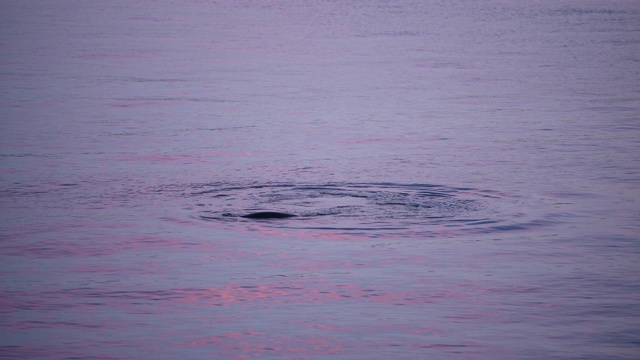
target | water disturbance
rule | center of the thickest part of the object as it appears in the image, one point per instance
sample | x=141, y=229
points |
x=316, y=179
x=417, y=209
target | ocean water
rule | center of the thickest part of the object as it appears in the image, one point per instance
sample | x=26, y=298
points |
x=465, y=176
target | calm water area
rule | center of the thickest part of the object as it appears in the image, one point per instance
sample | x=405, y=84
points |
x=465, y=177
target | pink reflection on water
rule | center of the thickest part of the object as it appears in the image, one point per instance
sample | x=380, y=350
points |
x=297, y=338
x=331, y=339
x=315, y=291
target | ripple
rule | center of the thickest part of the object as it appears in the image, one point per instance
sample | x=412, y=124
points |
x=369, y=209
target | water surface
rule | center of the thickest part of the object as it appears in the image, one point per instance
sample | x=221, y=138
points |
x=465, y=175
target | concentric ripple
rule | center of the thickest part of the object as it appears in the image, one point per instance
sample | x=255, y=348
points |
x=364, y=207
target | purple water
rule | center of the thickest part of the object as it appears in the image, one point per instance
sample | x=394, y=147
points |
x=465, y=175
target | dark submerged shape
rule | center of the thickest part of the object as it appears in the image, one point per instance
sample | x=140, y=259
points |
x=268, y=215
